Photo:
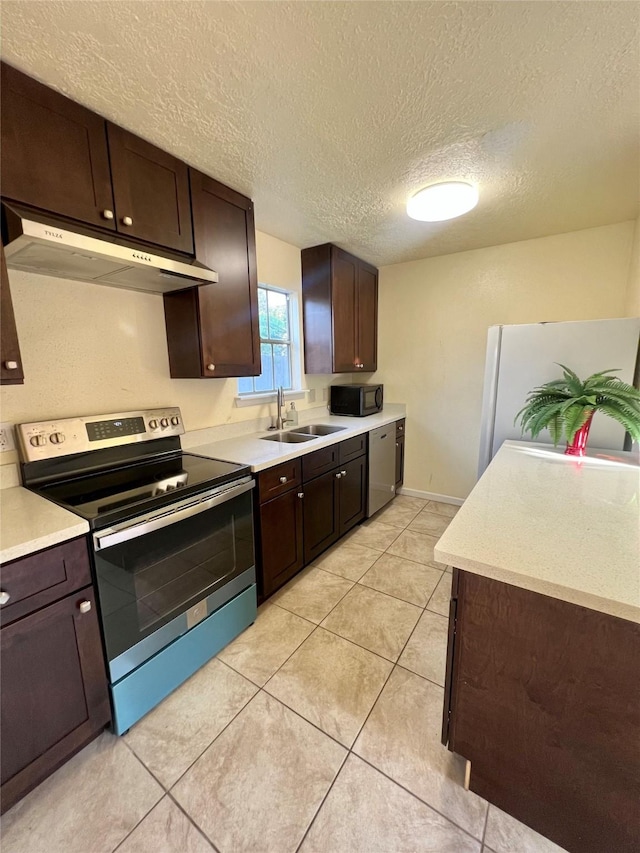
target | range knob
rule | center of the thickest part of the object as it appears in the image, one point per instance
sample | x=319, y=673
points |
x=38, y=440
x=153, y=424
x=164, y=422
x=56, y=437
x=175, y=421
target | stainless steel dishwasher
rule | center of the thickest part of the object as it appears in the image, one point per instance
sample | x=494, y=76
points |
x=382, y=467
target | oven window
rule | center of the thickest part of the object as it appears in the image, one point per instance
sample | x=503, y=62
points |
x=147, y=581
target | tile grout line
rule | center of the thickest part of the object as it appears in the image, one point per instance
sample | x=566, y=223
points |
x=353, y=742
x=486, y=824
x=353, y=583
x=192, y=821
x=416, y=797
x=147, y=813
x=225, y=727
x=377, y=559
x=317, y=812
x=167, y=792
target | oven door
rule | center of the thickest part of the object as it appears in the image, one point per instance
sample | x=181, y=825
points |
x=160, y=574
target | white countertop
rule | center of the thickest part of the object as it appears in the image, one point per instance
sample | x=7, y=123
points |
x=30, y=523
x=252, y=450
x=552, y=524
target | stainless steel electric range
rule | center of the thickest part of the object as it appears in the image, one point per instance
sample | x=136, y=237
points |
x=171, y=539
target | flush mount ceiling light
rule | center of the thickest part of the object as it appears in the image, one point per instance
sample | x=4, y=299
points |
x=442, y=201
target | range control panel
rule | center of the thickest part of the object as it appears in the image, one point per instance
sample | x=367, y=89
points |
x=49, y=439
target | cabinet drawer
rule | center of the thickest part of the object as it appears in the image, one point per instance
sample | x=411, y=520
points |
x=400, y=428
x=279, y=479
x=353, y=447
x=320, y=461
x=31, y=582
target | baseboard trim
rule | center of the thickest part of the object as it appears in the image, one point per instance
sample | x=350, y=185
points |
x=431, y=496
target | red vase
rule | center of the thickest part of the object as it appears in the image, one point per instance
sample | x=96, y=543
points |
x=578, y=446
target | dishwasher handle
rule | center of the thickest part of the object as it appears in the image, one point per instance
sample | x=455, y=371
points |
x=186, y=509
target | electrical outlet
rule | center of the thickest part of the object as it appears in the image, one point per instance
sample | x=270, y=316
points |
x=325, y=394
x=7, y=441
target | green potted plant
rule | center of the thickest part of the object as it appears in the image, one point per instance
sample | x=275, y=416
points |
x=566, y=407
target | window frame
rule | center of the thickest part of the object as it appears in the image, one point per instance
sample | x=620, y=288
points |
x=292, y=344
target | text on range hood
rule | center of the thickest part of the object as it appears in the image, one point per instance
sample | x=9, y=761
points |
x=47, y=249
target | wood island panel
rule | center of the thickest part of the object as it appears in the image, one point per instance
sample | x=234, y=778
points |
x=545, y=703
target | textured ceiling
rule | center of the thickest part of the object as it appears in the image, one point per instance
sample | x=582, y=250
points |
x=329, y=114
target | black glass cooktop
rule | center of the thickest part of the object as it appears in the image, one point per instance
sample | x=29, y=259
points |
x=105, y=496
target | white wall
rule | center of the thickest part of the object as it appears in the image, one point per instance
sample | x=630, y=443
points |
x=433, y=321
x=88, y=348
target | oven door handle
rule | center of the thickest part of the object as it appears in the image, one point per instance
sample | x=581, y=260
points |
x=106, y=539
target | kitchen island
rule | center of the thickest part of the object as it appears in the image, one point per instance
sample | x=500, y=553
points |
x=542, y=693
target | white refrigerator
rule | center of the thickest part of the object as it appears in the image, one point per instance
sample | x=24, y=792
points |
x=519, y=358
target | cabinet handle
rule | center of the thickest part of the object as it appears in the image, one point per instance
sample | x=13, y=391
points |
x=127, y=220
x=343, y=473
x=300, y=494
x=4, y=596
x=11, y=365
x=283, y=479
x=338, y=476
x=84, y=606
x=397, y=445
x=211, y=367
x=107, y=214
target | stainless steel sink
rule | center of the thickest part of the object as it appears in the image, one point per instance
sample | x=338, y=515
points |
x=288, y=437
x=317, y=429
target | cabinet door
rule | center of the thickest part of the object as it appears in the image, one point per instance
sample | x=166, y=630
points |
x=151, y=191
x=280, y=538
x=321, y=520
x=225, y=241
x=54, y=152
x=399, y=460
x=344, y=282
x=11, y=364
x=54, y=691
x=353, y=493
x=367, y=317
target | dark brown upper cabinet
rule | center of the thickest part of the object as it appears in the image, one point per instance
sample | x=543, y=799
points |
x=213, y=330
x=340, y=311
x=150, y=190
x=61, y=157
x=54, y=152
x=11, y=372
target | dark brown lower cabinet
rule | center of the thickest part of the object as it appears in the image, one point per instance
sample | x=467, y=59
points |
x=303, y=508
x=352, y=498
x=543, y=698
x=321, y=514
x=280, y=540
x=54, y=696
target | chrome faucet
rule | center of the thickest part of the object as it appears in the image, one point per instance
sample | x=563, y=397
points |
x=280, y=421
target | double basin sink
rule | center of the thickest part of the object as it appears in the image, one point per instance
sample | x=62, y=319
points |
x=300, y=434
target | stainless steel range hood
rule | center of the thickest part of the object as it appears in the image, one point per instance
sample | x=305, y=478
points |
x=38, y=244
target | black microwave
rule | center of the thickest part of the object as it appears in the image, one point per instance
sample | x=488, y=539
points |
x=356, y=400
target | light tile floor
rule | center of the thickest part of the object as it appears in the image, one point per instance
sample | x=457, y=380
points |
x=318, y=729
